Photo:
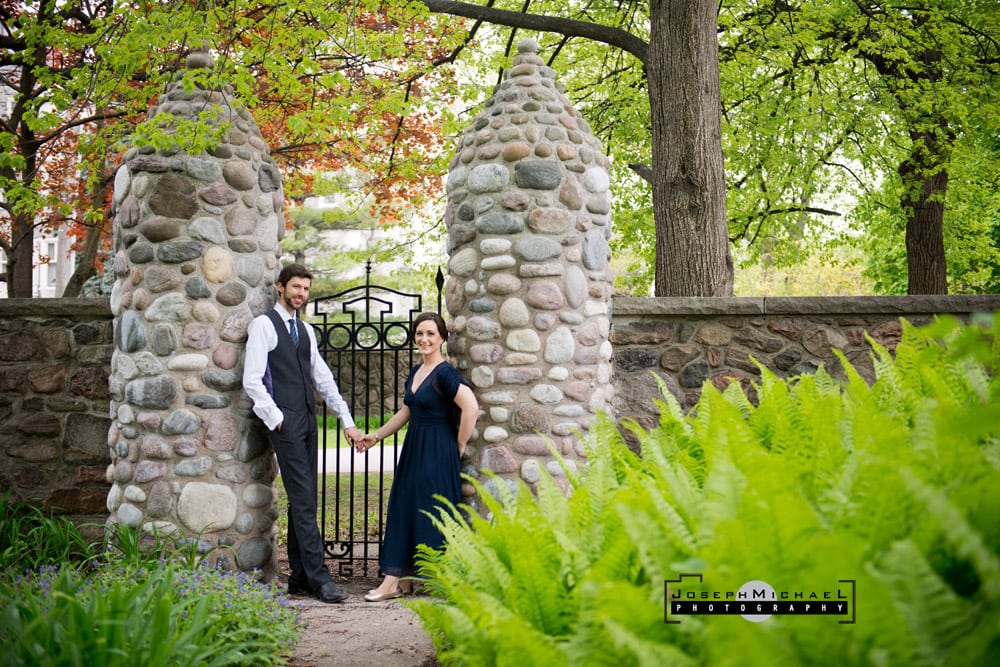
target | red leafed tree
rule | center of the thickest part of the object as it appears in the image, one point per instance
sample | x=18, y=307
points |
x=330, y=90
x=378, y=110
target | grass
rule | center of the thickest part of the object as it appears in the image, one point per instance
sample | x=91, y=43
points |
x=31, y=535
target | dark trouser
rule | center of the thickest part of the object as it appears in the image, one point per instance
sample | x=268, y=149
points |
x=296, y=449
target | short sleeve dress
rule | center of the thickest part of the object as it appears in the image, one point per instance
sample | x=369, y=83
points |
x=429, y=465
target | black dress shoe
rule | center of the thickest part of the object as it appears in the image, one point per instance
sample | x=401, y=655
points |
x=330, y=592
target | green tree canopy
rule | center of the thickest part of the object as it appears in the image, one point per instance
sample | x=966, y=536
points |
x=863, y=115
x=867, y=123
x=840, y=122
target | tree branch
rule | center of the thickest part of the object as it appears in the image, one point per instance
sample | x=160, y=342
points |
x=642, y=170
x=616, y=37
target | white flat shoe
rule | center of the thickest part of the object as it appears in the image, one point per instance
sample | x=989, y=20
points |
x=375, y=596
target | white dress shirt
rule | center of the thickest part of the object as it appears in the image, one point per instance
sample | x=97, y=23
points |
x=261, y=339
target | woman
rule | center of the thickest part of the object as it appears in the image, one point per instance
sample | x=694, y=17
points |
x=429, y=464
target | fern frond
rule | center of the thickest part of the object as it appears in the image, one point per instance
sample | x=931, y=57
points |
x=855, y=384
x=468, y=560
x=617, y=560
x=673, y=408
x=607, y=444
x=923, y=431
x=836, y=502
x=646, y=653
x=652, y=544
x=589, y=510
x=570, y=472
x=957, y=531
x=443, y=623
x=936, y=617
x=552, y=502
x=723, y=493
x=676, y=516
x=609, y=606
x=536, y=593
x=773, y=403
x=736, y=397
x=517, y=643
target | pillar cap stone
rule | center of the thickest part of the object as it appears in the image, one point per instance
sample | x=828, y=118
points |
x=199, y=58
x=528, y=45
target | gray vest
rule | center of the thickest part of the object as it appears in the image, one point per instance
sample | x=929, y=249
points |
x=288, y=368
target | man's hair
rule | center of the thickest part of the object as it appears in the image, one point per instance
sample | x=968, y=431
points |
x=436, y=319
x=293, y=271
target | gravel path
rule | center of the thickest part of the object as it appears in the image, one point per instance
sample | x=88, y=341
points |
x=355, y=633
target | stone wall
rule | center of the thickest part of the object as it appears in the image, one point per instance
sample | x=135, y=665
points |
x=55, y=364
x=55, y=357
x=686, y=341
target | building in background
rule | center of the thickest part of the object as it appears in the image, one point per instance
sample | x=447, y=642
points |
x=52, y=264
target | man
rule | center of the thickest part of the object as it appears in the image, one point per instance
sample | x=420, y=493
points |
x=281, y=367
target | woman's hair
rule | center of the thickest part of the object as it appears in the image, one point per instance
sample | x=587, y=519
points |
x=436, y=319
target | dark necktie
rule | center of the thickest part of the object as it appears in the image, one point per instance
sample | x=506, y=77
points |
x=294, y=331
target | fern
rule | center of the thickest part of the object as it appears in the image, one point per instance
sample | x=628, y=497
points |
x=618, y=560
x=954, y=528
x=537, y=593
x=936, y=616
x=774, y=402
x=621, y=625
x=673, y=410
x=653, y=537
x=893, y=485
x=443, y=623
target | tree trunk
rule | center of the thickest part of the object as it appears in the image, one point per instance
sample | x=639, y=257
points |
x=85, y=268
x=689, y=204
x=19, y=257
x=925, y=182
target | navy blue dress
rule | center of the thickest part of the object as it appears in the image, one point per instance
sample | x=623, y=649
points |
x=428, y=465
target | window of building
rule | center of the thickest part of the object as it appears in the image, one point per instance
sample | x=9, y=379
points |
x=52, y=269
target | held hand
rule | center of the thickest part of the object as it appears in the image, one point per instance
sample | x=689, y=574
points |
x=353, y=435
x=365, y=442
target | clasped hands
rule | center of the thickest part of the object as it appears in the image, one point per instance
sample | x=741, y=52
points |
x=365, y=442
x=353, y=435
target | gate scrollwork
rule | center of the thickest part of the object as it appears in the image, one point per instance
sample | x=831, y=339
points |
x=364, y=334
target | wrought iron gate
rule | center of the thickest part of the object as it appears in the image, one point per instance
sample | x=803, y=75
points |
x=365, y=335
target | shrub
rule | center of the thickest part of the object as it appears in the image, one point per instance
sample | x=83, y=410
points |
x=168, y=616
x=135, y=599
x=894, y=486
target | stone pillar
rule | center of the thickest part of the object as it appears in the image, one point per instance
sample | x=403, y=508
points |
x=196, y=255
x=529, y=286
